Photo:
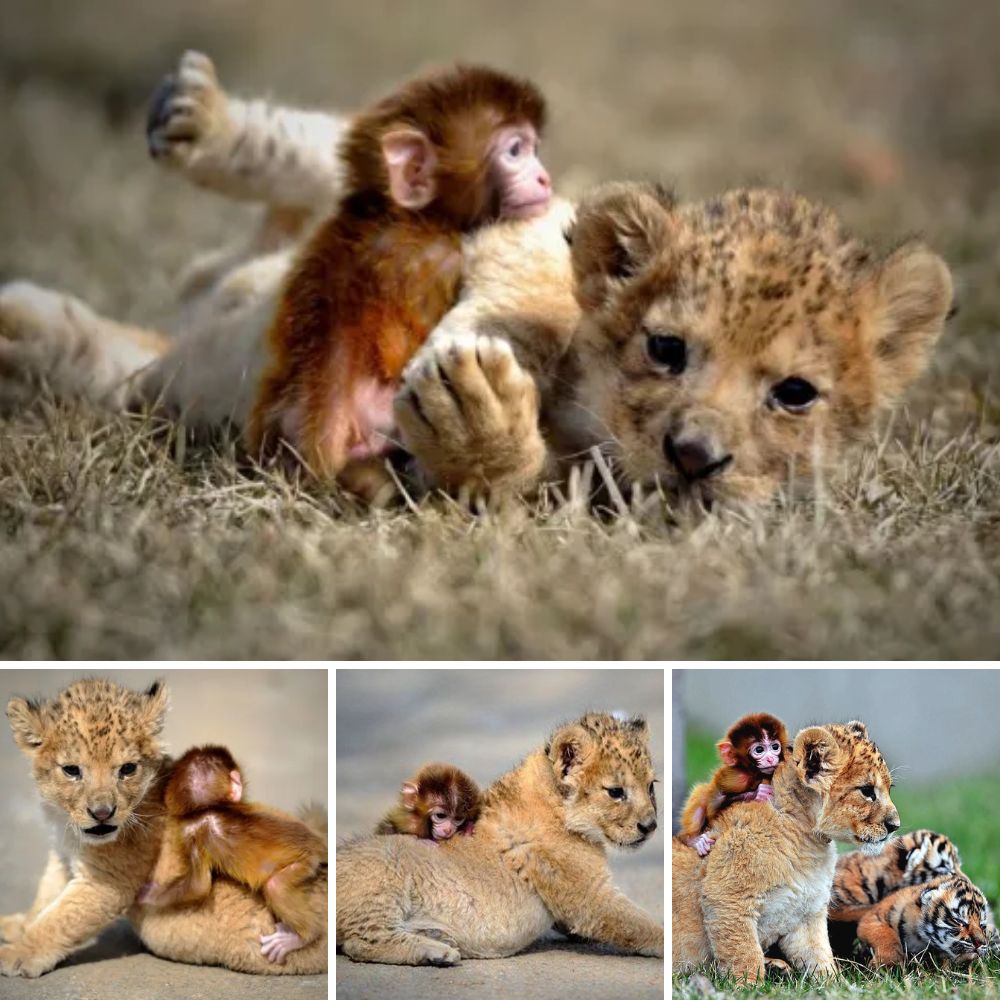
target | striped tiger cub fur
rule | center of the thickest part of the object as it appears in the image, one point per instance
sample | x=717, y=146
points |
x=947, y=918
x=912, y=859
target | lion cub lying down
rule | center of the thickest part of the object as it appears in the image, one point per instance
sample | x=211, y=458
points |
x=537, y=857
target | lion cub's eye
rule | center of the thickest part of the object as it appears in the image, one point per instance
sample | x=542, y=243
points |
x=868, y=791
x=616, y=793
x=71, y=771
x=667, y=350
x=794, y=394
x=126, y=769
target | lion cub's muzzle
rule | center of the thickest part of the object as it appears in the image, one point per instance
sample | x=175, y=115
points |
x=695, y=456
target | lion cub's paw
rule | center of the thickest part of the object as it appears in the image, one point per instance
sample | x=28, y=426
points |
x=469, y=413
x=435, y=953
x=186, y=111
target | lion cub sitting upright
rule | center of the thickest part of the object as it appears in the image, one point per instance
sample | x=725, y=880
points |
x=538, y=857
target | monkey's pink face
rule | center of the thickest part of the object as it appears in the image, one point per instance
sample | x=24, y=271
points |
x=765, y=753
x=523, y=181
x=443, y=824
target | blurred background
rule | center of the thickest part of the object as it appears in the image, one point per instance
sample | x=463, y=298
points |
x=887, y=111
x=936, y=729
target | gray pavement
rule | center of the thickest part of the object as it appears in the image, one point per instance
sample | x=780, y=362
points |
x=485, y=721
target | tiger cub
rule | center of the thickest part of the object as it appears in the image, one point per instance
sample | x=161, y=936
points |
x=862, y=879
x=947, y=918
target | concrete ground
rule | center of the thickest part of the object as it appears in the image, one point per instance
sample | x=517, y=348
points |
x=275, y=722
x=484, y=721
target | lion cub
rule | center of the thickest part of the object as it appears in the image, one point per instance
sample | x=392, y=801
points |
x=722, y=349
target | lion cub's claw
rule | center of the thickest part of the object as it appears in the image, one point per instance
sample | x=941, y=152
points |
x=184, y=109
x=469, y=413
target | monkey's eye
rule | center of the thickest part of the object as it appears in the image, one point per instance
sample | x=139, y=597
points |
x=794, y=394
x=775, y=747
x=515, y=149
x=667, y=350
x=126, y=769
x=757, y=749
x=438, y=816
x=868, y=791
x=616, y=792
x=71, y=770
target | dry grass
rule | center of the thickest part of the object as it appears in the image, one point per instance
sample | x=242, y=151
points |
x=117, y=544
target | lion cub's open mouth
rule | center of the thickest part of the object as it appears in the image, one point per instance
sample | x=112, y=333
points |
x=101, y=830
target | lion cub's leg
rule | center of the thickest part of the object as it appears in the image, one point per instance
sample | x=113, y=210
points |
x=51, y=338
x=401, y=948
x=807, y=947
x=53, y=881
x=250, y=150
x=734, y=941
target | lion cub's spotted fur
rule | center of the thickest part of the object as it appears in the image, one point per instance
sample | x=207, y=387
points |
x=99, y=766
x=769, y=876
x=537, y=857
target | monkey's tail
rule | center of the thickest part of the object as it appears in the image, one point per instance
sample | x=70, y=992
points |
x=50, y=340
x=316, y=818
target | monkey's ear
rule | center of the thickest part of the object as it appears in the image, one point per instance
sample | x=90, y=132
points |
x=568, y=750
x=726, y=752
x=411, y=163
x=27, y=723
x=408, y=794
x=816, y=756
x=619, y=230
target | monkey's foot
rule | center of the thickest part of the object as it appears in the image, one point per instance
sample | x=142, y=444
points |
x=703, y=843
x=188, y=115
x=468, y=412
x=274, y=947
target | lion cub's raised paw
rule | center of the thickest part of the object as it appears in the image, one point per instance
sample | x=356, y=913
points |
x=187, y=110
x=469, y=413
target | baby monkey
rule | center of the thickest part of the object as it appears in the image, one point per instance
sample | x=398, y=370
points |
x=751, y=751
x=210, y=829
x=438, y=802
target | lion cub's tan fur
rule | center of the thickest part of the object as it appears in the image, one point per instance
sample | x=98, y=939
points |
x=769, y=877
x=537, y=856
x=95, y=727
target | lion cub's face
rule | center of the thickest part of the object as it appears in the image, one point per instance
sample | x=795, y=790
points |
x=94, y=753
x=731, y=346
x=605, y=775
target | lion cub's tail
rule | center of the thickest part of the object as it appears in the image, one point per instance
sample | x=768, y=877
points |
x=50, y=340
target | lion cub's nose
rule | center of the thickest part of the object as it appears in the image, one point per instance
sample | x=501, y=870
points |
x=695, y=458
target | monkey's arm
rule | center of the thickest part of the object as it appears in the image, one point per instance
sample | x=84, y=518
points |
x=396, y=820
x=250, y=150
x=194, y=884
x=734, y=781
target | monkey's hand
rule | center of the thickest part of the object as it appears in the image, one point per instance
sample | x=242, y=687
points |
x=469, y=414
x=764, y=794
x=150, y=894
x=274, y=947
x=468, y=829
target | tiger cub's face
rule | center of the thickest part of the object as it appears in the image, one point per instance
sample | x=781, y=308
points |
x=955, y=919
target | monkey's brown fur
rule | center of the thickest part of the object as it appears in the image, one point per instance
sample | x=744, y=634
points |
x=708, y=799
x=376, y=278
x=206, y=832
x=433, y=785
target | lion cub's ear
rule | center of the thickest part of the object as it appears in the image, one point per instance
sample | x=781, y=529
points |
x=155, y=701
x=27, y=723
x=619, y=229
x=911, y=295
x=816, y=756
x=567, y=751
